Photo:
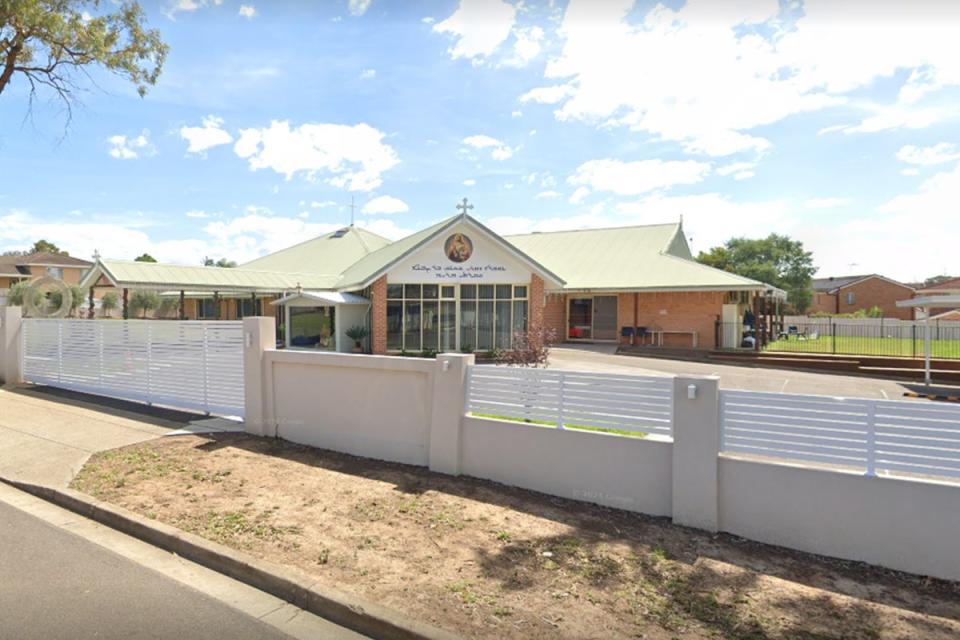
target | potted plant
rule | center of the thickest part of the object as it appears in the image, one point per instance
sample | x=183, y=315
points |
x=357, y=333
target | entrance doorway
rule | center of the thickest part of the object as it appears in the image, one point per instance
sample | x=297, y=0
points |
x=593, y=318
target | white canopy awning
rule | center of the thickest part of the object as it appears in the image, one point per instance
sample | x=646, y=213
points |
x=926, y=303
x=323, y=298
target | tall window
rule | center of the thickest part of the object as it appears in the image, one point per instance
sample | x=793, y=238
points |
x=247, y=307
x=206, y=308
x=425, y=317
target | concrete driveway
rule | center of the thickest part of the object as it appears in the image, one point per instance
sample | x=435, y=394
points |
x=46, y=435
x=602, y=358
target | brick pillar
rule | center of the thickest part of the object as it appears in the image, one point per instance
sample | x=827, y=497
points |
x=378, y=316
x=537, y=302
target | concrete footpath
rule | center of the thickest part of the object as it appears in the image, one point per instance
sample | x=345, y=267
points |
x=46, y=435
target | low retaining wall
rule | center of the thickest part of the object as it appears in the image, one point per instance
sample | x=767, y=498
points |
x=627, y=473
x=894, y=522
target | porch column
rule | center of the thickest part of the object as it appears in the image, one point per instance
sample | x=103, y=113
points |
x=536, y=302
x=216, y=304
x=90, y=305
x=378, y=316
x=126, y=306
x=183, y=306
x=253, y=304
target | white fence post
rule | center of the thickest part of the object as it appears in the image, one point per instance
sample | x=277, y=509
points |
x=448, y=406
x=259, y=337
x=149, y=361
x=560, y=417
x=696, y=449
x=871, y=438
x=11, y=360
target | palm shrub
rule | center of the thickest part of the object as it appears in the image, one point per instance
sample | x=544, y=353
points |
x=357, y=333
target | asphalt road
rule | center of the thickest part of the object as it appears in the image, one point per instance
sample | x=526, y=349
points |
x=56, y=585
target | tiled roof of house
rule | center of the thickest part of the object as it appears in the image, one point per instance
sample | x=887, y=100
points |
x=16, y=265
x=947, y=286
x=833, y=283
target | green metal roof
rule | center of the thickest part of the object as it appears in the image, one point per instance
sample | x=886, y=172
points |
x=153, y=275
x=653, y=257
x=358, y=274
x=330, y=254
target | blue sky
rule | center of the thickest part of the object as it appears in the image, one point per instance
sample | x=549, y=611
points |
x=837, y=125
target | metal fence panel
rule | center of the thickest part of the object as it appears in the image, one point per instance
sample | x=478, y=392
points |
x=642, y=404
x=189, y=364
x=874, y=435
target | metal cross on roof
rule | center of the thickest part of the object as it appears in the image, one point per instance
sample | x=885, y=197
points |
x=464, y=207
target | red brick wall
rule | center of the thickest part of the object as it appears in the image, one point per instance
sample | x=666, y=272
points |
x=823, y=303
x=675, y=311
x=877, y=292
x=378, y=316
x=555, y=315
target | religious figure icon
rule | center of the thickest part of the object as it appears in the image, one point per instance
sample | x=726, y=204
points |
x=458, y=247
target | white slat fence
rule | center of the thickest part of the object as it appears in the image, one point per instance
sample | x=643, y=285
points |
x=188, y=364
x=642, y=404
x=887, y=435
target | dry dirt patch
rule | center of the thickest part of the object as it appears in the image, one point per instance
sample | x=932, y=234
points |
x=490, y=561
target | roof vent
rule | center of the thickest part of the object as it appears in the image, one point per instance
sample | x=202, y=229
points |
x=339, y=233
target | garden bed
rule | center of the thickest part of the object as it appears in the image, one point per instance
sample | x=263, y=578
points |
x=489, y=561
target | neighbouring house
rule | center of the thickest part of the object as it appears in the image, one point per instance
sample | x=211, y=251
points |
x=457, y=285
x=946, y=288
x=849, y=294
x=15, y=269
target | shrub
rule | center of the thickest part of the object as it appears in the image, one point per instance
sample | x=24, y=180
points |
x=143, y=301
x=109, y=302
x=530, y=349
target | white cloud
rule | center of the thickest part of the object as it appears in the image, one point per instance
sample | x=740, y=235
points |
x=247, y=11
x=826, y=203
x=735, y=168
x=634, y=178
x=726, y=78
x=321, y=204
x=131, y=147
x=358, y=7
x=197, y=213
x=354, y=157
x=469, y=182
x=386, y=228
x=368, y=74
x=579, y=195
x=479, y=27
x=499, y=151
x=211, y=134
x=186, y=6
x=526, y=47
x=547, y=195
x=928, y=156
x=910, y=171
x=385, y=205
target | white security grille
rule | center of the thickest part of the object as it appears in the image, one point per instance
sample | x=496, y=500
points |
x=572, y=398
x=193, y=365
x=914, y=437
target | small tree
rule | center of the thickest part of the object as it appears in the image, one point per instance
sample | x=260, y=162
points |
x=143, y=301
x=16, y=293
x=108, y=303
x=146, y=257
x=77, y=296
x=530, y=349
x=222, y=262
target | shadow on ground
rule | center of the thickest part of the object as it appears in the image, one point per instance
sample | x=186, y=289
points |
x=150, y=414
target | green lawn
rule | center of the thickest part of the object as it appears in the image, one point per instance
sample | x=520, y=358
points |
x=868, y=346
x=579, y=427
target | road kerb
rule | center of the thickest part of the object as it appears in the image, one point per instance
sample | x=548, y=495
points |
x=286, y=583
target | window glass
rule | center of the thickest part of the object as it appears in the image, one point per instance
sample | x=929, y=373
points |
x=412, y=291
x=394, y=326
x=448, y=325
x=448, y=291
x=468, y=325
x=520, y=291
x=485, y=291
x=519, y=316
x=504, y=326
x=312, y=327
x=431, y=325
x=395, y=291
x=411, y=325
x=504, y=291
x=485, y=325
x=468, y=292
x=431, y=291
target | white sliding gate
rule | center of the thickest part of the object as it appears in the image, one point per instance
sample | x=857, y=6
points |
x=188, y=364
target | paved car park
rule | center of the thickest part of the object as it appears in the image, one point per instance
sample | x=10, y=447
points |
x=602, y=358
